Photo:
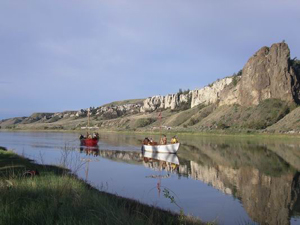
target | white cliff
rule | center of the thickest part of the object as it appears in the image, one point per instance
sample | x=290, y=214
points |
x=206, y=95
x=164, y=102
x=209, y=94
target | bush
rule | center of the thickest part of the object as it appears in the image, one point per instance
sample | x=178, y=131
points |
x=184, y=105
x=257, y=125
x=234, y=81
x=193, y=121
x=54, y=119
x=110, y=115
x=221, y=125
x=144, y=122
x=295, y=64
x=180, y=92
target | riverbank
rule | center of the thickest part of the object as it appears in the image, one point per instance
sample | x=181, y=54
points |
x=212, y=133
x=51, y=195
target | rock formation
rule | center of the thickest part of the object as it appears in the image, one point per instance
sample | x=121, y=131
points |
x=164, y=102
x=268, y=74
x=209, y=94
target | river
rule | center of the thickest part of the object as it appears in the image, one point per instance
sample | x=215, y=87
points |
x=230, y=180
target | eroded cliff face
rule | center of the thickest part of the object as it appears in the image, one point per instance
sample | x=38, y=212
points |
x=207, y=95
x=110, y=112
x=210, y=94
x=171, y=101
x=268, y=74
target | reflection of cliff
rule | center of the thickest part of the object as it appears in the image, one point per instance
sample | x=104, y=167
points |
x=118, y=139
x=270, y=159
x=268, y=200
x=263, y=175
x=266, y=184
x=211, y=176
x=123, y=156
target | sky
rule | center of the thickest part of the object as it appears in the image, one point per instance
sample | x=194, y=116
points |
x=58, y=55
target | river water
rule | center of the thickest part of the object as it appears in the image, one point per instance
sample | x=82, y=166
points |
x=224, y=179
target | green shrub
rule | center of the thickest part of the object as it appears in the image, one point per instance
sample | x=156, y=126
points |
x=221, y=125
x=144, y=122
x=54, y=119
x=180, y=92
x=234, y=81
x=193, y=121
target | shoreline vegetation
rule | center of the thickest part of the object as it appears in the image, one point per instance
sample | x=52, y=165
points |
x=55, y=196
x=213, y=133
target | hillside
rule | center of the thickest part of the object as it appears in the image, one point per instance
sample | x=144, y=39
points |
x=263, y=96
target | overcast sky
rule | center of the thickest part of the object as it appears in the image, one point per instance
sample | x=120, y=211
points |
x=58, y=55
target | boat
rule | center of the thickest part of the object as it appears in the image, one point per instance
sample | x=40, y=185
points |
x=168, y=148
x=89, y=140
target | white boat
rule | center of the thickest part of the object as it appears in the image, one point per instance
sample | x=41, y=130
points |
x=169, y=148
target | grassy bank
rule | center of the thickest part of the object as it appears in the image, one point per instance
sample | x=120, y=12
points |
x=55, y=197
x=225, y=132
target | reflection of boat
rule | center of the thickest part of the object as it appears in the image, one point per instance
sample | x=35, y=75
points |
x=169, y=148
x=94, y=150
x=170, y=158
x=160, y=161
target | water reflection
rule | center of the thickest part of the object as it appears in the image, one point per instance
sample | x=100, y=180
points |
x=160, y=161
x=215, y=177
x=88, y=150
x=265, y=183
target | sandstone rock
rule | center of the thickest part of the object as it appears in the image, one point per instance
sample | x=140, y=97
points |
x=209, y=94
x=119, y=110
x=268, y=74
x=164, y=102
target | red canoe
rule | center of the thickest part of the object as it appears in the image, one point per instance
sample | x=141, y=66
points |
x=89, y=141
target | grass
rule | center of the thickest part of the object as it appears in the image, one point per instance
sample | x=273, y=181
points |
x=56, y=197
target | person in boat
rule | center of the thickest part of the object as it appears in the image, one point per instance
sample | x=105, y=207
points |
x=151, y=141
x=146, y=141
x=81, y=137
x=163, y=140
x=174, y=140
